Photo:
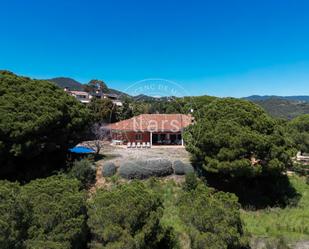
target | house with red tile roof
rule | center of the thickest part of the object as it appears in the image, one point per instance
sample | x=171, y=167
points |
x=157, y=129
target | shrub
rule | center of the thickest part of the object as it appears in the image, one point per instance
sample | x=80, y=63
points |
x=128, y=216
x=191, y=182
x=45, y=213
x=211, y=219
x=276, y=243
x=109, y=169
x=181, y=168
x=146, y=169
x=301, y=169
x=84, y=171
x=12, y=229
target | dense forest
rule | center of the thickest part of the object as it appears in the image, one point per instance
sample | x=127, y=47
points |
x=240, y=156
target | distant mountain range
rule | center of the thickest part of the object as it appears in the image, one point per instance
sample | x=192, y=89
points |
x=267, y=97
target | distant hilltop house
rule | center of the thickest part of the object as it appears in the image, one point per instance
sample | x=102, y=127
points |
x=155, y=129
x=85, y=97
x=113, y=97
x=82, y=96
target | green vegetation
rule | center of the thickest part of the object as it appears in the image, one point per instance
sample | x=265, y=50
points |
x=291, y=222
x=109, y=169
x=181, y=168
x=236, y=147
x=238, y=139
x=128, y=216
x=103, y=110
x=298, y=130
x=38, y=122
x=191, y=182
x=212, y=219
x=200, y=217
x=84, y=170
x=284, y=108
x=136, y=106
x=49, y=212
x=141, y=169
x=240, y=149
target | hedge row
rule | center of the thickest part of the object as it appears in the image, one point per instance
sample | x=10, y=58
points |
x=181, y=168
x=142, y=169
x=109, y=169
x=145, y=169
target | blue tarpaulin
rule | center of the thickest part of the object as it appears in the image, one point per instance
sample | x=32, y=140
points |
x=81, y=150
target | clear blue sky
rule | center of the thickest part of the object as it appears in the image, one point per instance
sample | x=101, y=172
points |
x=222, y=48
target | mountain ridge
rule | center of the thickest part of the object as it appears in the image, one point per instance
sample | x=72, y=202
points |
x=73, y=84
x=266, y=97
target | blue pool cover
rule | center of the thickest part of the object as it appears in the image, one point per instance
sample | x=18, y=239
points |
x=81, y=150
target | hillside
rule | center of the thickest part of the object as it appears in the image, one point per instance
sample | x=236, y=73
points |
x=67, y=82
x=283, y=108
x=75, y=85
x=267, y=97
x=146, y=98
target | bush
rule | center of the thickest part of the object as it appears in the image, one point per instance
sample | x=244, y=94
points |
x=84, y=171
x=11, y=228
x=301, y=169
x=109, y=169
x=181, y=168
x=45, y=213
x=128, y=216
x=211, y=219
x=191, y=182
x=146, y=169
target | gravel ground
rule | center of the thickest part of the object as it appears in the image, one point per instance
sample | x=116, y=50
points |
x=120, y=153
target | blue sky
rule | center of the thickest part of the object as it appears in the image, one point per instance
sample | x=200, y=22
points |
x=222, y=48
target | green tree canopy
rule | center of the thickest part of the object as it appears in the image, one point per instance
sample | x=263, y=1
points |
x=298, y=129
x=37, y=120
x=103, y=110
x=212, y=218
x=127, y=216
x=45, y=213
x=237, y=138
